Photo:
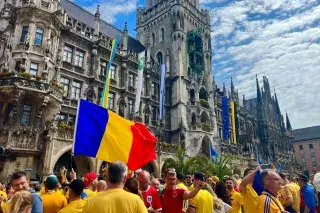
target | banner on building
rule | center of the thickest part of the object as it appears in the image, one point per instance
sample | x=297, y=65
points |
x=225, y=117
x=162, y=90
x=233, y=120
x=105, y=93
x=141, y=60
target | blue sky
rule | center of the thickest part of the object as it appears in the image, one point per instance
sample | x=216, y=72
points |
x=276, y=38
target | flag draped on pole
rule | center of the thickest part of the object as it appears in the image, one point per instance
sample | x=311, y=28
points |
x=101, y=133
x=233, y=120
x=213, y=153
x=105, y=93
x=141, y=59
x=225, y=116
x=162, y=90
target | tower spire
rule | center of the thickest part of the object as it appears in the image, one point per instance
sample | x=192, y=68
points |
x=224, y=89
x=289, y=127
x=259, y=100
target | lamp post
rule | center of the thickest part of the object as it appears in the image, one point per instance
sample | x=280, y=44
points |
x=160, y=136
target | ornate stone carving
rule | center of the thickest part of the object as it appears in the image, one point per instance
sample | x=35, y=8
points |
x=90, y=93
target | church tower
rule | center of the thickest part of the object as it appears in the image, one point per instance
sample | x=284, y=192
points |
x=177, y=33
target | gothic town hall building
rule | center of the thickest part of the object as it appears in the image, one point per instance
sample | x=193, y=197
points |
x=53, y=52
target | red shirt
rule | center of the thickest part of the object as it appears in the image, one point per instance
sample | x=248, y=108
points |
x=172, y=200
x=151, y=196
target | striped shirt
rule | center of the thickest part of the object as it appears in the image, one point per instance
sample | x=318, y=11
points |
x=268, y=203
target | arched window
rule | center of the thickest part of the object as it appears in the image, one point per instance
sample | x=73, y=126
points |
x=153, y=39
x=159, y=58
x=161, y=34
x=192, y=95
x=203, y=94
x=204, y=118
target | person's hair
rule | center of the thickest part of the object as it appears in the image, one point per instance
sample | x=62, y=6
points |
x=20, y=201
x=221, y=192
x=217, y=202
x=132, y=185
x=229, y=178
x=17, y=175
x=116, y=172
x=283, y=176
x=1, y=211
x=246, y=172
x=77, y=186
x=264, y=174
x=37, y=187
x=180, y=176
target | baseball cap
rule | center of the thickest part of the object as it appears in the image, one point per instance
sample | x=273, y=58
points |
x=51, y=182
x=89, y=178
x=77, y=186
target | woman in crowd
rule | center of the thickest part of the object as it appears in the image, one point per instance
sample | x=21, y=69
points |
x=221, y=192
x=132, y=186
x=21, y=202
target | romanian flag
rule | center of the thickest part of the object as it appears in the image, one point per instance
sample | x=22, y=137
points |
x=101, y=133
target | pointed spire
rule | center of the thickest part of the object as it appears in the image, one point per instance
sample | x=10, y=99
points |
x=224, y=89
x=259, y=100
x=97, y=14
x=289, y=127
x=232, y=86
x=277, y=103
x=125, y=27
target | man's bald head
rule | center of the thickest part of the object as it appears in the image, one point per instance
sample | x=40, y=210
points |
x=155, y=183
x=101, y=186
x=144, y=180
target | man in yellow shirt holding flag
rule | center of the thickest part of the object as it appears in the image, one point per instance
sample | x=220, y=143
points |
x=268, y=201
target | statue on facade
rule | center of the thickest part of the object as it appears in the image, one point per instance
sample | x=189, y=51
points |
x=46, y=60
x=27, y=41
x=49, y=47
x=24, y=62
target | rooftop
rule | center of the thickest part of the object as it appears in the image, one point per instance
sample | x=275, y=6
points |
x=82, y=15
x=309, y=133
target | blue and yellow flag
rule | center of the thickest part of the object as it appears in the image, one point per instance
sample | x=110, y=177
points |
x=105, y=93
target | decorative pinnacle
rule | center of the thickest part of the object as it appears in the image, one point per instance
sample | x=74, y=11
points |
x=98, y=11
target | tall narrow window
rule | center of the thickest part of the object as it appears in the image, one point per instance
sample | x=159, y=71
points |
x=39, y=37
x=75, y=90
x=159, y=58
x=26, y=114
x=24, y=34
x=154, y=113
x=67, y=54
x=111, y=101
x=153, y=89
x=65, y=83
x=79, y=59
x=161, y=38
x=153, y=39
x=71, y=120
x=33, y=71
x=131, y=78
x=130, y=106
x=103, y=67
x=113, y=72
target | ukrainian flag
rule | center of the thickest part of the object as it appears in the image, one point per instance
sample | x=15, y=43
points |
x=101, y=133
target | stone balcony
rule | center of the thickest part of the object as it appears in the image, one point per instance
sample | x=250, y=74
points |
x=31, y=85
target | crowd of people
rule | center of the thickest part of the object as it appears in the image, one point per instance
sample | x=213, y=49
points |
x=261, y=191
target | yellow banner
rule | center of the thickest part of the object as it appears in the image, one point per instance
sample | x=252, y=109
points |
x=233, y=118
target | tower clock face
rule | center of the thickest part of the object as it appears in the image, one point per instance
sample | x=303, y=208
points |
x=194, y=52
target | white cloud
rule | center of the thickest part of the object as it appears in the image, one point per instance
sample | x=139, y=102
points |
x=286, y=49
x=110, y=9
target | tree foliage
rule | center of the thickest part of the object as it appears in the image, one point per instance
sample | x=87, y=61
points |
x=220, y=167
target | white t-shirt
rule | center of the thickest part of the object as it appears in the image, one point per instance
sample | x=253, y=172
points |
x=225, y=209
x=316, y=181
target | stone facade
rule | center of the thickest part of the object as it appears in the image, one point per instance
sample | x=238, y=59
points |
x=52, y=53
x=260, y=128
x=177, y=33
x=306, y=145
